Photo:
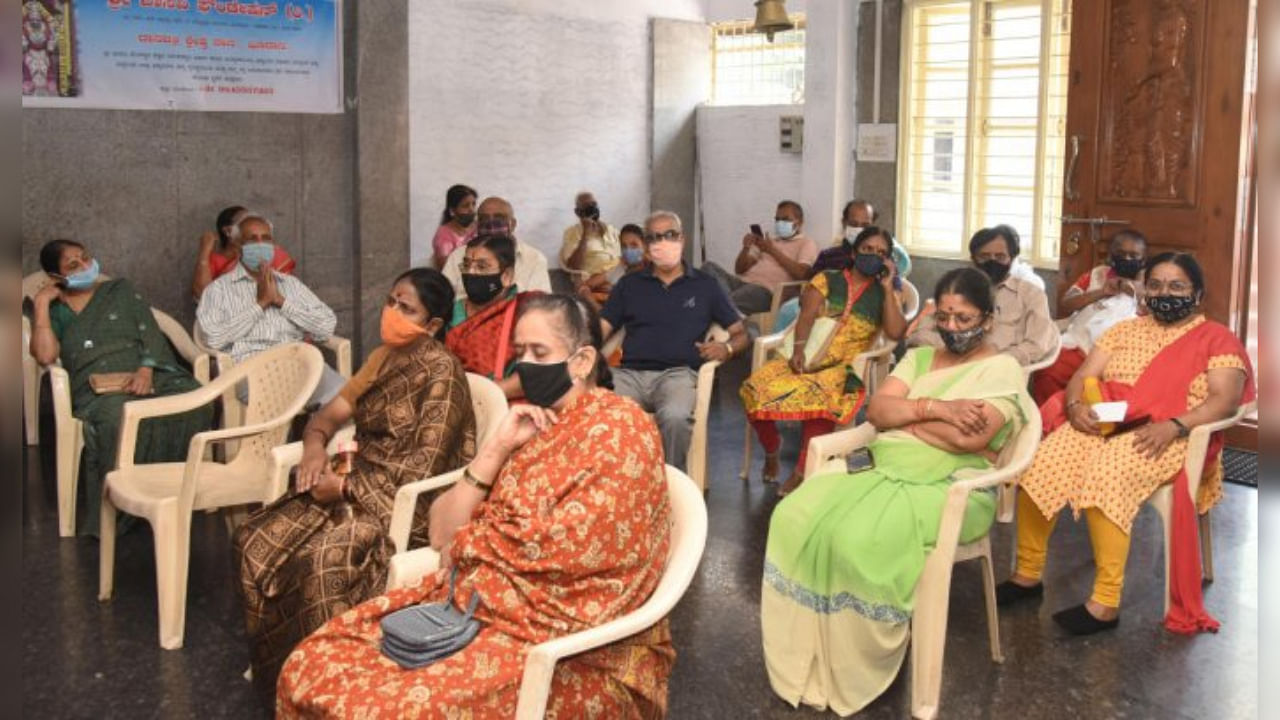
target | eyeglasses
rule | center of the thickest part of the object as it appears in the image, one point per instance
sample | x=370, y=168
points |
x=665, y=235
x=1174, y=287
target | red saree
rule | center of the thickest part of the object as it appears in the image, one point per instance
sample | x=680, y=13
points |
x=574, y=534
x=1175, y=367
x=483, y=341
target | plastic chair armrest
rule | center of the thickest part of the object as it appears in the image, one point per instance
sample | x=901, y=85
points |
x=341, y=348
x=60, y=387
x=407, y=501
x=286, y=457
x=408, y=568
x=837, y=444
x=1198, y=445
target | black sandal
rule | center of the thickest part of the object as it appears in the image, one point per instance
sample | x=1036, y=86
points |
x=1079, y=621
x=1010, y=592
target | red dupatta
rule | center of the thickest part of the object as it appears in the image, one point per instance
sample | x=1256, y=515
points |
x=483, y=341
x=1175, y=367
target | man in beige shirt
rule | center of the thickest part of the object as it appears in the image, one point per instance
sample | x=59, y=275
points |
x=767, y=261
x=590, y=247
x=1022, y=325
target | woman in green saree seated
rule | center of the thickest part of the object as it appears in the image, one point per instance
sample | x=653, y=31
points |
x=845, y=550
x=97, y=326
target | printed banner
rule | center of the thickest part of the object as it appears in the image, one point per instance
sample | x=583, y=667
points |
x=183, y=55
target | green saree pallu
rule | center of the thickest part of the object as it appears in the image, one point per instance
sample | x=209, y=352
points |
x=846, y=550
x=116, y=332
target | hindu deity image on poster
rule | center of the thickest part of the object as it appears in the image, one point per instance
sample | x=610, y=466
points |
x=48, y=48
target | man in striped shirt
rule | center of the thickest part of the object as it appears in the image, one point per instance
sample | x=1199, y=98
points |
x=253, y=308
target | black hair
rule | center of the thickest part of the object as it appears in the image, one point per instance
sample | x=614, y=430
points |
x=866, y=234
x=1186, y=261
x=1127, y=234
x=435, y=292
x=875, y=214
x=969, y=283
x=578, y=324
x=51, y=255
x=634, y=229
x=226, y=218
x=503, y=248
x=454, y=195
x=986, y=235
x=794, y=206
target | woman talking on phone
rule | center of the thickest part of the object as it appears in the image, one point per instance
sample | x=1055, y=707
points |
x=826, y=390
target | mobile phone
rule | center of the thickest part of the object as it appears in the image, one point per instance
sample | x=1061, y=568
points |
x=755, y=230
x=860, y=461
x=1128, y=425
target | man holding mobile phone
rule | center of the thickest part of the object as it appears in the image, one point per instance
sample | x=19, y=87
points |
x=768, y=260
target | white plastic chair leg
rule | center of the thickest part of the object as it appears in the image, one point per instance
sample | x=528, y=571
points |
x=745, y=473
x=928, y=640
x=172, y=540
x=67, y=468
x=1206, y=547
x=989, y=594
x=1162, y=501
x=106, y=549
x=31, y=400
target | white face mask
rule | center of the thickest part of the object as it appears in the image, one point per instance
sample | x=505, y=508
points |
x=666, y=254
x=784, y=228
x=851, y=232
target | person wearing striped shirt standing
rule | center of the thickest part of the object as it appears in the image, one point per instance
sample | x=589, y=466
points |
x=253, y=308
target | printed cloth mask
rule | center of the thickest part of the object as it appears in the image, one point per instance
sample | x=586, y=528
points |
x=591, y=211
x=481, y=289
x=666, y=254
x=253, y=255
x=84, y=279
x=1126, y=267
x=1169, y=309
x=544, y=383
x=632, y=255
x=784, y=228
x=869, y=264
x=465, y=219
x=398, y=330
x=960, y=342
x=995, y=270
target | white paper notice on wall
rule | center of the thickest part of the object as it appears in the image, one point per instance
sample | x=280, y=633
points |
x=877, y=142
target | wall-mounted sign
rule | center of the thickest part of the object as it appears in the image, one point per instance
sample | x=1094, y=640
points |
x=878, y=142
x=183, y=55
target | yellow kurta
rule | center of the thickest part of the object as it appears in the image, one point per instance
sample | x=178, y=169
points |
x=1090, y=471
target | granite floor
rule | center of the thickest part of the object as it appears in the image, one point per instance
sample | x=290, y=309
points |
x=85, y=659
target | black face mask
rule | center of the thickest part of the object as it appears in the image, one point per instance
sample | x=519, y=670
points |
x=869, y=264
x=995, y=270
x=1125, y=267
x=591, y=211
x=482, y=288
x=544, y=384
x=960, y=342
x=465, y=219
x=1169, y=309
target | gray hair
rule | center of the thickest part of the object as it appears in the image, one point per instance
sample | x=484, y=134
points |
x=663, y=215
x=250, y=215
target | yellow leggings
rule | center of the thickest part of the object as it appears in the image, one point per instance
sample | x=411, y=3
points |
x=1110, y=548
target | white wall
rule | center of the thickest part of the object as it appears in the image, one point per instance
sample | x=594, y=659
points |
x=532, y=100
x=743, y=174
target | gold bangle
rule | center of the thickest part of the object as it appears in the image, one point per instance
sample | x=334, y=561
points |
x=474, y=481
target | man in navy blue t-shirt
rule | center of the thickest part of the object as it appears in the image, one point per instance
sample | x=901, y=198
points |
x=666, y=310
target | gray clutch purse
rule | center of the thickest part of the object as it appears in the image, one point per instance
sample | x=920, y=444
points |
x=417, y=636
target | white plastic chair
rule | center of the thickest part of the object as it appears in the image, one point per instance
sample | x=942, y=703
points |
x=688, y=539
x=765, y=320
x=69, y=430
x=280, y=381
x=1047, y=360
x=929, y=619
x=1162, y=498
x=487, y=402
x=696, y=460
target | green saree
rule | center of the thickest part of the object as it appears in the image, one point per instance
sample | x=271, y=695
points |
x=116, y=332
x=846, y=550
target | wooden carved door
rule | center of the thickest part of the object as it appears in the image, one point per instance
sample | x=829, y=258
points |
x=1157, y=136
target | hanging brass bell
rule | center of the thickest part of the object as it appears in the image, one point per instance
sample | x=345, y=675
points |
x=771, y=17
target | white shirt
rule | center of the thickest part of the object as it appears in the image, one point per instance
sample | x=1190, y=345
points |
x=531, y=269
x=234, y=322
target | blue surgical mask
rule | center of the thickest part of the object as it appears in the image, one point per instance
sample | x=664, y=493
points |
x=253, y=255
x=632, y=255
x=84, y=279
x=784, y=228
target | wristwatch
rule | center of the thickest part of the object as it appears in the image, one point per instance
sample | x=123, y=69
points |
x=1183, y=430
